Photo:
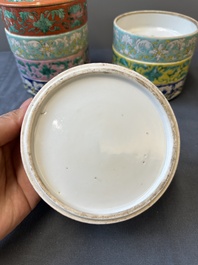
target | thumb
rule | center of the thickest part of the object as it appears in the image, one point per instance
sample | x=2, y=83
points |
x=10, y=123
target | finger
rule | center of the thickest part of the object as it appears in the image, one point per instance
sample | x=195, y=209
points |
x=10, y=123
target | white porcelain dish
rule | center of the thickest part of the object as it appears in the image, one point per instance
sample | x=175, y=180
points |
x=100, y=143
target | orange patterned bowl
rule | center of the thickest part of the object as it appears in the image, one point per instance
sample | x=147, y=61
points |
x=45, y=17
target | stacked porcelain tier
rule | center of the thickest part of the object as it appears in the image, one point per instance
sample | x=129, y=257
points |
x=157, y=44
x=46, y=40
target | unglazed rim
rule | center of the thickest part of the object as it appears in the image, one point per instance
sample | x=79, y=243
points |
x=27, y=156
x=194, y=21
x=35, y=3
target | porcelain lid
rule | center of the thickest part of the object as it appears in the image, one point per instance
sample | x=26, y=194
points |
x=100, y=143
x=32, y=3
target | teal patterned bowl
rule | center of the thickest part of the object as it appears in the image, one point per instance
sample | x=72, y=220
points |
x=168, y=77
x=155, y=36
x=48, y=47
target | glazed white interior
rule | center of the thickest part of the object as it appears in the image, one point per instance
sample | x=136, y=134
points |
x=153, y=24
x=101, y=144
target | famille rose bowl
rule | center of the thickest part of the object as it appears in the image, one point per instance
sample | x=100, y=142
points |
x=46, y=69
x=155, y=36
x=46, y=37
x=44, y=17
x=100, y=143
x=35, y=73
x=49, y=47
x=168, y=77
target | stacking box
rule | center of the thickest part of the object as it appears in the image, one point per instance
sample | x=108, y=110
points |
x=46, y=37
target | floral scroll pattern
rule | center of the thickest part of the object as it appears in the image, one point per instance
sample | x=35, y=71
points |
x=159, y=50
x=169, y=78
x=50, y=47
x=49, y=20
x=32, y=86
x=46, y=70
x=156, y=73
x=172, y=90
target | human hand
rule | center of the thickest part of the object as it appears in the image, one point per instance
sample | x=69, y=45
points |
x=17, y=196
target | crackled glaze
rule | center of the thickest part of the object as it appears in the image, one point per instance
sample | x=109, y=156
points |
x=49, y=47
x=168, y=77
x=45, y=20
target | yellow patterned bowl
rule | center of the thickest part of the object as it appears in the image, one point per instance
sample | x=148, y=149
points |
x=168, y=77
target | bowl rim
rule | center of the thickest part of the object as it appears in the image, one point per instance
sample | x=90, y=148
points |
x=27, y=158
x=163, y=12
x=34, y=3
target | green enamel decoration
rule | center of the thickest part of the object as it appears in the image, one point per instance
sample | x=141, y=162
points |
x=25, y=15
x=76, y=24
x=30, y=65
x=60, y=13
x=65, y=64
x=44, y=24
x=46, y=71
x=13, y=29
x=74, y=9
x=9, y=14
